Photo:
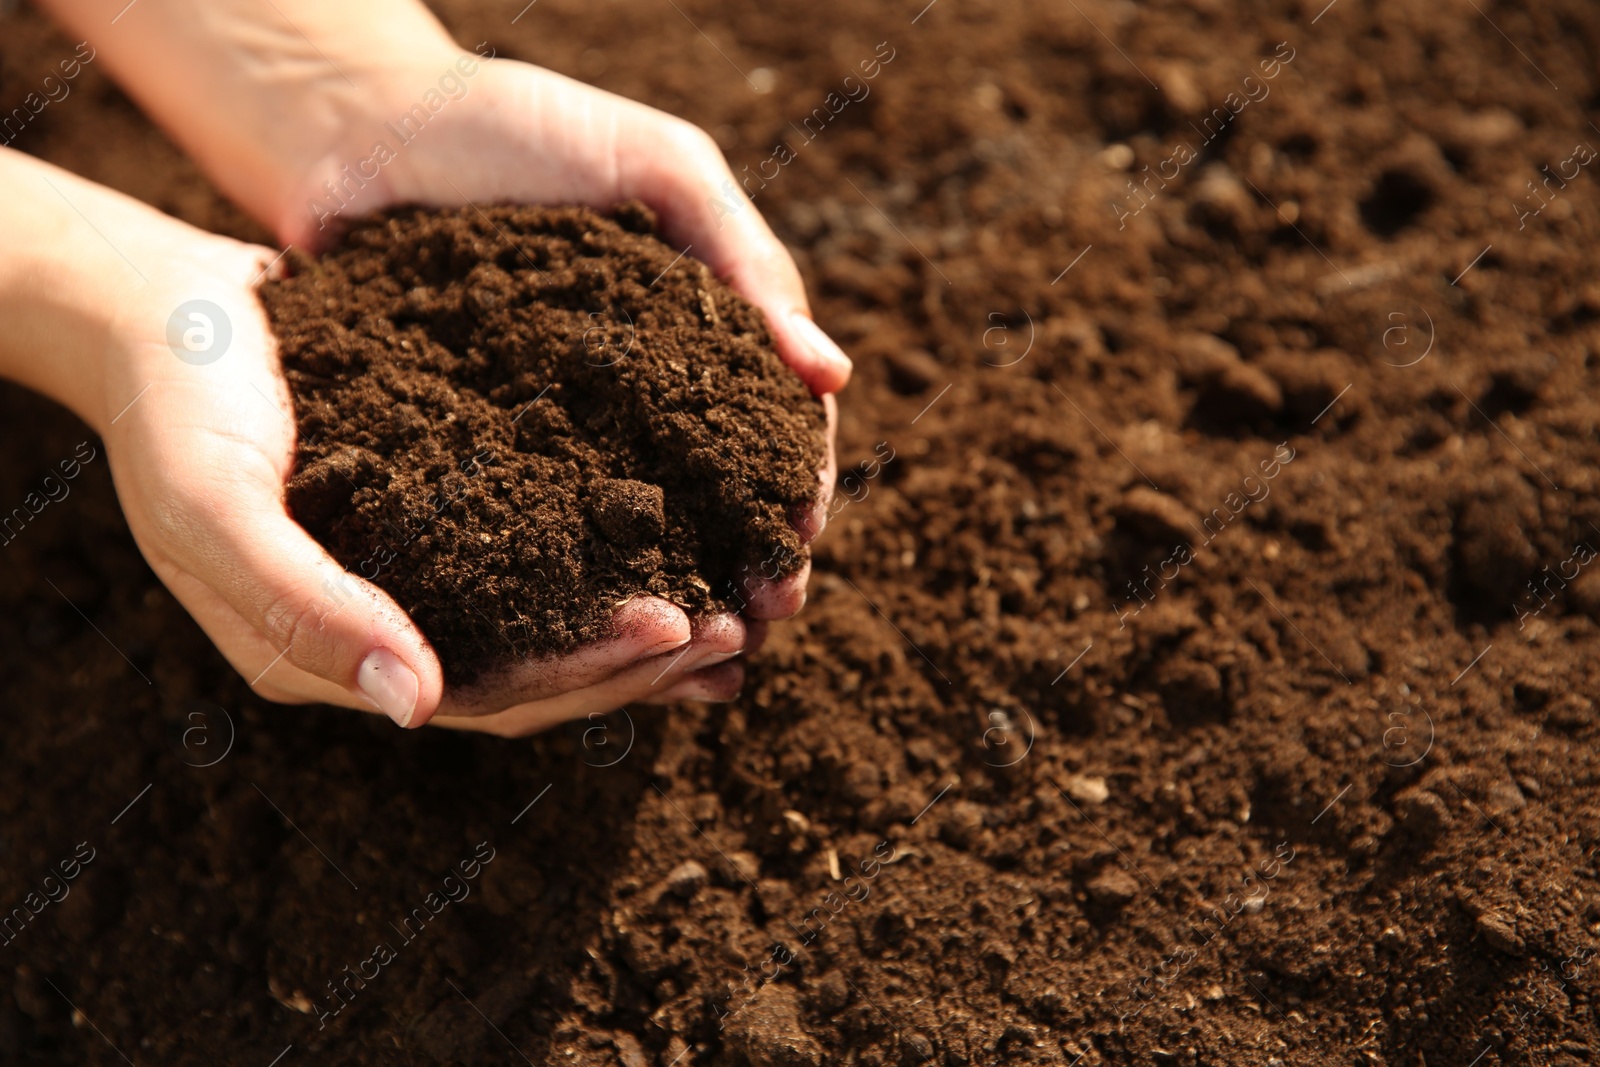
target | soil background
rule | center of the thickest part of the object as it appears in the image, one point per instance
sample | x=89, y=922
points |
x=1328, y=796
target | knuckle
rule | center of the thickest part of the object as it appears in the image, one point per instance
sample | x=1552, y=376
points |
x=292, y=623
x=694, y=144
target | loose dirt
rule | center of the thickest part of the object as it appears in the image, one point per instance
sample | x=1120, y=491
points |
x=514, y=419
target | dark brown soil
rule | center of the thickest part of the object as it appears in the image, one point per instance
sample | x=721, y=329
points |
x=1319, y=786
x=513, y=419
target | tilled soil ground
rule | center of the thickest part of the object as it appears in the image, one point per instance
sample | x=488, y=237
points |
x=1172, y=690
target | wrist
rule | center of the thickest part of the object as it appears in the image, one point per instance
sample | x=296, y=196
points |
x=88, y=279
x=61, y=276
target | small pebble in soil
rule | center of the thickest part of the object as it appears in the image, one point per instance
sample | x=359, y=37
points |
x=687, y=879
x=1113, y=887
x=1500, y=933
x=1087, y=788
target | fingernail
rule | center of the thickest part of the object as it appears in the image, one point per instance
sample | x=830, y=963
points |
x=821, y=345
x=390, y=684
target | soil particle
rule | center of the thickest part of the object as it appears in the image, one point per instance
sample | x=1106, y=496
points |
x=1494, y=553
x=687, y=879
x=767, y=1032
x=1113, y=886
x=629, y=1051
x=963, y=823
x=913, y=371
x=918, y=1049
x=1422, y=812
x=1087, y=788
x=1499, y=931
x=1229, y=390
x=1155, y=515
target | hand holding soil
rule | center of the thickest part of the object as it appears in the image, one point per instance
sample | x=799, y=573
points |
x=201, y=448
x=515, y=419
x=1110, y=736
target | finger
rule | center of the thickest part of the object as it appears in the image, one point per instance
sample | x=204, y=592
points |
x=782, y=598
x=756, y=637
x=810, y=519
x=715, y=685
x=717, y=640
x=778, y=599
x=642, y=628
x=308, y=612
x=574, y=143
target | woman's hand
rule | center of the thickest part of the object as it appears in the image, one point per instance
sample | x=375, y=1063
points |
x=160, y=344
x=507, y=131
x=310, y=113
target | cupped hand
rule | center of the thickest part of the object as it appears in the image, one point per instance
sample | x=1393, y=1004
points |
x=508, y=131
x=200, y=433
x=200, y=438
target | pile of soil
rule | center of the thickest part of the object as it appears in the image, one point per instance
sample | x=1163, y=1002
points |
x=534, y=414
x=1171, y=691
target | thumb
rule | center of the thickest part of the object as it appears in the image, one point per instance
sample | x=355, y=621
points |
x=315, y=616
